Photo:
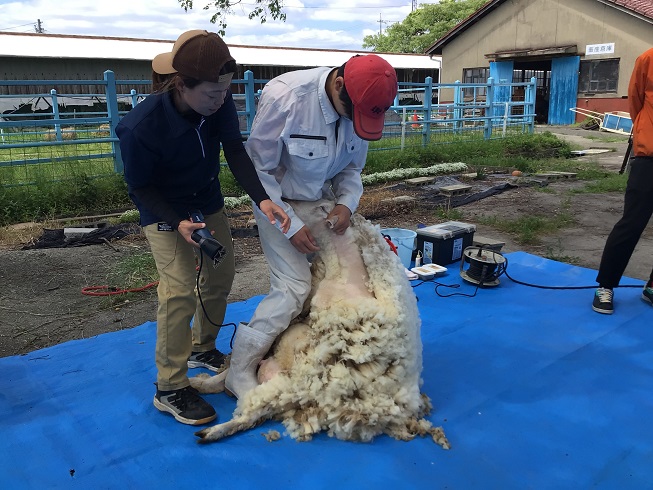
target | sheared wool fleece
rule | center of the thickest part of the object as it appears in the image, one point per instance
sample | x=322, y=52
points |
x=353, y=368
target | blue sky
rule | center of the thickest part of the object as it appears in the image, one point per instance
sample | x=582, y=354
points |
x=336, y=24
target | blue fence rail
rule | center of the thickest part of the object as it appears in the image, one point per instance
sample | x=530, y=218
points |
x=79, y=130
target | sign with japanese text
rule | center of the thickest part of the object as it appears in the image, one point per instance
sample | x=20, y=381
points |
x=605, y=48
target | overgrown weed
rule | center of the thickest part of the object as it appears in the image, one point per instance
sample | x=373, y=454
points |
x=80, y=195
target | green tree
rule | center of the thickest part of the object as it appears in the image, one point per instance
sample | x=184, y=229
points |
x=422, y=27
x=262, y=9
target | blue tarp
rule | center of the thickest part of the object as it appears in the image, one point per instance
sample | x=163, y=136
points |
x=533, y=390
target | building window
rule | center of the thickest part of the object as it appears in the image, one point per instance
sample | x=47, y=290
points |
x=475, y=75
x=598, y=76
x=542, y=77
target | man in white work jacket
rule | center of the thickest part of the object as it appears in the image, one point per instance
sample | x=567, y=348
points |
x=308, y=142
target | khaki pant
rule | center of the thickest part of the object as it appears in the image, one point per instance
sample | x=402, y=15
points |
x=178, y=302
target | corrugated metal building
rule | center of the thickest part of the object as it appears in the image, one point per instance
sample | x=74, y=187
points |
x=29, y=56
x=582, y=52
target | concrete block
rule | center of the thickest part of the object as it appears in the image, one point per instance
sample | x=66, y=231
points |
x=420, y=180
x=455, y=190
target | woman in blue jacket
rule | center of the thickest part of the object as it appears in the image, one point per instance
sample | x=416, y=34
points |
x=170, y=145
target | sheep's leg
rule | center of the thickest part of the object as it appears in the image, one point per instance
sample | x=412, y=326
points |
x=205, y=383
x=237, y=424
x=258, y=405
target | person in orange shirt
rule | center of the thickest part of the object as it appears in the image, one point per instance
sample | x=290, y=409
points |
x=638, y=201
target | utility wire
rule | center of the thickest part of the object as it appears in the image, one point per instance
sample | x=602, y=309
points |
x=15, y=27
x=328, y=7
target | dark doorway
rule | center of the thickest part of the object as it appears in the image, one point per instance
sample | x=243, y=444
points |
x=523, y=71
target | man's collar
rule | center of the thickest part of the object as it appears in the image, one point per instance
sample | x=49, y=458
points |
x=328, y=111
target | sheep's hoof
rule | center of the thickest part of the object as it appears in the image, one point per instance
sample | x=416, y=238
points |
x=203, y=436
x=212, y=434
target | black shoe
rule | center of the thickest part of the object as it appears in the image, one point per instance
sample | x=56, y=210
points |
x=213, y=360
x=647, y=295
x=185, y=405
x=603, y=301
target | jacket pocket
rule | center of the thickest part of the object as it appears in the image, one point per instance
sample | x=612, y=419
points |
x=307, y=147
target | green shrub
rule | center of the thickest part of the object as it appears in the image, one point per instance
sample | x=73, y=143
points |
x=129, y=216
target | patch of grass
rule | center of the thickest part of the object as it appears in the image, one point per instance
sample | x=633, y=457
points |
x=567, y=259
x=480, y=173
x=609, y=183
x=527, y=230
x=518, y=151
x=139, y=269
x=447, y=213
x=558, y=254
x=584, y=170
x=134, y=271
x=607, y=139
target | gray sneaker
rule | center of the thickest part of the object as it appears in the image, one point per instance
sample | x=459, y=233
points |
x=185, y=405
x=212, y=359
x=647, y=295
x=603, y=301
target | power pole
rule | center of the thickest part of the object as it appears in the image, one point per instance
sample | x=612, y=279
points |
x=381, y=22
x=414, y=7
x=38, y=27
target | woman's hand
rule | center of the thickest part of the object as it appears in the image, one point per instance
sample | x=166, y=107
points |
x=187, y=227
x=270, y=209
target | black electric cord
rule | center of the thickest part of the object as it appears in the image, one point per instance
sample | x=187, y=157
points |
x=594, y=286
x=503, y=269
x=439, y=284
x=206, y=314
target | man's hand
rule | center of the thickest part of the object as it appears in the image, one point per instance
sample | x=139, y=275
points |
x=303, y=241
x=340, y=216
x=270, y=209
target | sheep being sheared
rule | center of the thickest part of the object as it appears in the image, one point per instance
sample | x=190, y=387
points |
x=351, y=363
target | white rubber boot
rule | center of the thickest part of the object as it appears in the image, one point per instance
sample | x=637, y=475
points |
x=249, y=348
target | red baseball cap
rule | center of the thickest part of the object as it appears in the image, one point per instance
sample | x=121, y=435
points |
x=371, y=83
